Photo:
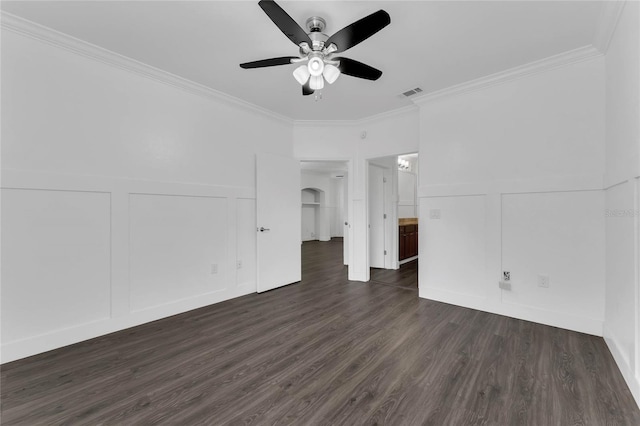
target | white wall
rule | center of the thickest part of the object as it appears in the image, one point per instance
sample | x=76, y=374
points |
x=560, y=235
x=338, y=215
x=407, y=194
x=120, y=194
x=380, y=136
x=408, y=188
x=48, y=238
x=516, y=172
x=309, y=214
x=621, y=327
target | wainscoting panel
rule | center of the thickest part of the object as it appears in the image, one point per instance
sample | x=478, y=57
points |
x=452, y=246
x=55, y=261
x=178, y=248
x=84, y=256
x=621, y=296
x=247, y=240
x=549, y=227
x=559, y=235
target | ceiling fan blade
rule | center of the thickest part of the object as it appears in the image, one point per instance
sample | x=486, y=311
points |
x=359, y=31
x=307, y=90
x=284, y=60
x=358, y=69
x=287, y=25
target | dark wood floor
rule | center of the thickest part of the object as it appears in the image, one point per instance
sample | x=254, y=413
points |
x=406, y=277
x=322, y=352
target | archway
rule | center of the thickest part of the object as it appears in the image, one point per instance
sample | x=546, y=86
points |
x=315, y=218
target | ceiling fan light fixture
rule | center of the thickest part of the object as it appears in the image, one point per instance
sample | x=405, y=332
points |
x=331, y=73
x=301, y=74
x=315, y=66
x=316, y=49
x=316, y=82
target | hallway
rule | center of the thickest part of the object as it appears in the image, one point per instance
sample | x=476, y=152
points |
x=325, y=257
x=405, y=278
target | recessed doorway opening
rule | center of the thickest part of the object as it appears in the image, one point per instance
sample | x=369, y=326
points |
x=393, y=220
x=324, y=205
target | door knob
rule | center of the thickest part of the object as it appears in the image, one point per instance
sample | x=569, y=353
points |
x=263, y=229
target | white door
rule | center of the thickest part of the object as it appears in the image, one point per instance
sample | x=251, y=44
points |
x=345, y=221
x=376, y=217
x=388, y=205
x=278, y=221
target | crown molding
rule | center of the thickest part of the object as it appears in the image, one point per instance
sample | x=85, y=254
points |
x=327, y=123
x=80, y=47
x=556, y=61
x=607, y=23
x=405, y=110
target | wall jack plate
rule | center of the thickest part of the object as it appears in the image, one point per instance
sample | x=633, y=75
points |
x=505, y=285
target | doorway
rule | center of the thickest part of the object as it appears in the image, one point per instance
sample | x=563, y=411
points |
x=315, y=220
x=324, y=210
x=392, y=220
x=380, y=216
x=408, y=208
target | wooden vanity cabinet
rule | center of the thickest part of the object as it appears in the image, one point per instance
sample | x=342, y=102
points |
x=408, y=241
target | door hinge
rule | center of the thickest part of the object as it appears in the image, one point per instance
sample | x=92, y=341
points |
x=385, y=252
x=384, y=180
x=384, y=216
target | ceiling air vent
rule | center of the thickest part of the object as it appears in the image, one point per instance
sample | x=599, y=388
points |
x=412, y=92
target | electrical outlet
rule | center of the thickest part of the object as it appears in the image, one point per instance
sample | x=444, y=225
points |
x=214, y=268
x=543, y=281
x=239, y=264
x=505, y=285
x=434, y=214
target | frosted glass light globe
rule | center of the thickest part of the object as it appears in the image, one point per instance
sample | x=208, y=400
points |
x=315, y=66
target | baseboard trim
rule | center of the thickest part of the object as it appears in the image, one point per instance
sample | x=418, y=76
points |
x=407, y=260
x=540, y=316
x=623, y=364
x=34, y=345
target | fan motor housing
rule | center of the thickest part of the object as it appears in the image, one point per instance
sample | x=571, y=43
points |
x=316, y=25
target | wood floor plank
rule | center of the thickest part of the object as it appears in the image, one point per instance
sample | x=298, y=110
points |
x=325, y=351
x=269, y=363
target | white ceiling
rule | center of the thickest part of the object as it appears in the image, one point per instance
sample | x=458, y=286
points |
x=429, y=44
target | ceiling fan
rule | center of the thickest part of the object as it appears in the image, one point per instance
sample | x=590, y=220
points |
x=318, y=50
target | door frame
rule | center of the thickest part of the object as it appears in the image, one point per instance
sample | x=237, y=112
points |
x=394, y=231
x=390, y=208
x=381, y=204
x=348, y=234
